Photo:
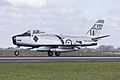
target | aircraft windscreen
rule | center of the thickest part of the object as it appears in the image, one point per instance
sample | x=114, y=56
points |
x=27, y=33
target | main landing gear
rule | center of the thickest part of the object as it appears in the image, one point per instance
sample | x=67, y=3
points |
x=51, y=53
x=57, y=53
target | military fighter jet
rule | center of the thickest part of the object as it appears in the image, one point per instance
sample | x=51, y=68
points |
x=56, y=44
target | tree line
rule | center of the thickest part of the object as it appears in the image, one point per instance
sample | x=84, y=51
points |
x=100, y=48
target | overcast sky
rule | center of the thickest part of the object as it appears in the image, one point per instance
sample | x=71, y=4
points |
x=68, y=17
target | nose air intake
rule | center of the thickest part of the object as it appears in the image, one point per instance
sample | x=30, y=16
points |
x=14, y=40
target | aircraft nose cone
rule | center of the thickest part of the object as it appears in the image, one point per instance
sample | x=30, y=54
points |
x=14, y=40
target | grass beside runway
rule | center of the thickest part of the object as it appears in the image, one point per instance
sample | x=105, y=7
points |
x=60, y=71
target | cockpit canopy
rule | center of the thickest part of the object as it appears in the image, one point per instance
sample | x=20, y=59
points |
x=28, y=33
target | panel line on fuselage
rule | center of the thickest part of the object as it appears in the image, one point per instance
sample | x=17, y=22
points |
x=62, y=41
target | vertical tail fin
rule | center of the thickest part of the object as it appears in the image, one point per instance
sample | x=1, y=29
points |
x=96, y=29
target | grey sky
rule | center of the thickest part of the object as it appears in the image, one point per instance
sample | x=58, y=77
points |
x=68, y=17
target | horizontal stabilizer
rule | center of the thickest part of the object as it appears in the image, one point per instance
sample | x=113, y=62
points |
x=97, y=38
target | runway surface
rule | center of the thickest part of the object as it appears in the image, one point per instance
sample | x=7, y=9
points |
x=55, y=59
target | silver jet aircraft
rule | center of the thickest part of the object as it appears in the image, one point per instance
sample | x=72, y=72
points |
x=56, y=44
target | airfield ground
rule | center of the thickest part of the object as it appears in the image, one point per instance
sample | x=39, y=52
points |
x=60, y=71
x=76, y=53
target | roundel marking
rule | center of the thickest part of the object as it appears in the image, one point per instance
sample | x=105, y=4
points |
x=68, y=41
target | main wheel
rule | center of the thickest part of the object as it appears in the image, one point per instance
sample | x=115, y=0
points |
x=57, y=53
x=16, y=53
x=50, y=53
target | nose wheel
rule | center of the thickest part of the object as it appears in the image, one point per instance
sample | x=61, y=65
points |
x=16, y=53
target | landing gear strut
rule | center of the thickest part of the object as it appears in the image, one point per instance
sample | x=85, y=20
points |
x=16, y=53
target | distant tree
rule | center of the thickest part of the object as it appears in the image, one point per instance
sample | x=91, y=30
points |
x=10, y=48
x=1, y=48
x=118, y=49
x=105, y=48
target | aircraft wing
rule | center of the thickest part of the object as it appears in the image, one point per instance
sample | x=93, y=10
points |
x=82, y=45
x=69, y=45
x=67, y=48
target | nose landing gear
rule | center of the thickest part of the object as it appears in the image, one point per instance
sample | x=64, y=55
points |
x=16, y=53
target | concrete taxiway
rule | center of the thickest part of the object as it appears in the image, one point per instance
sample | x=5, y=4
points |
x=55, y=59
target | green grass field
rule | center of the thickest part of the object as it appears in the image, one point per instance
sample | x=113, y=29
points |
x=60, y=71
